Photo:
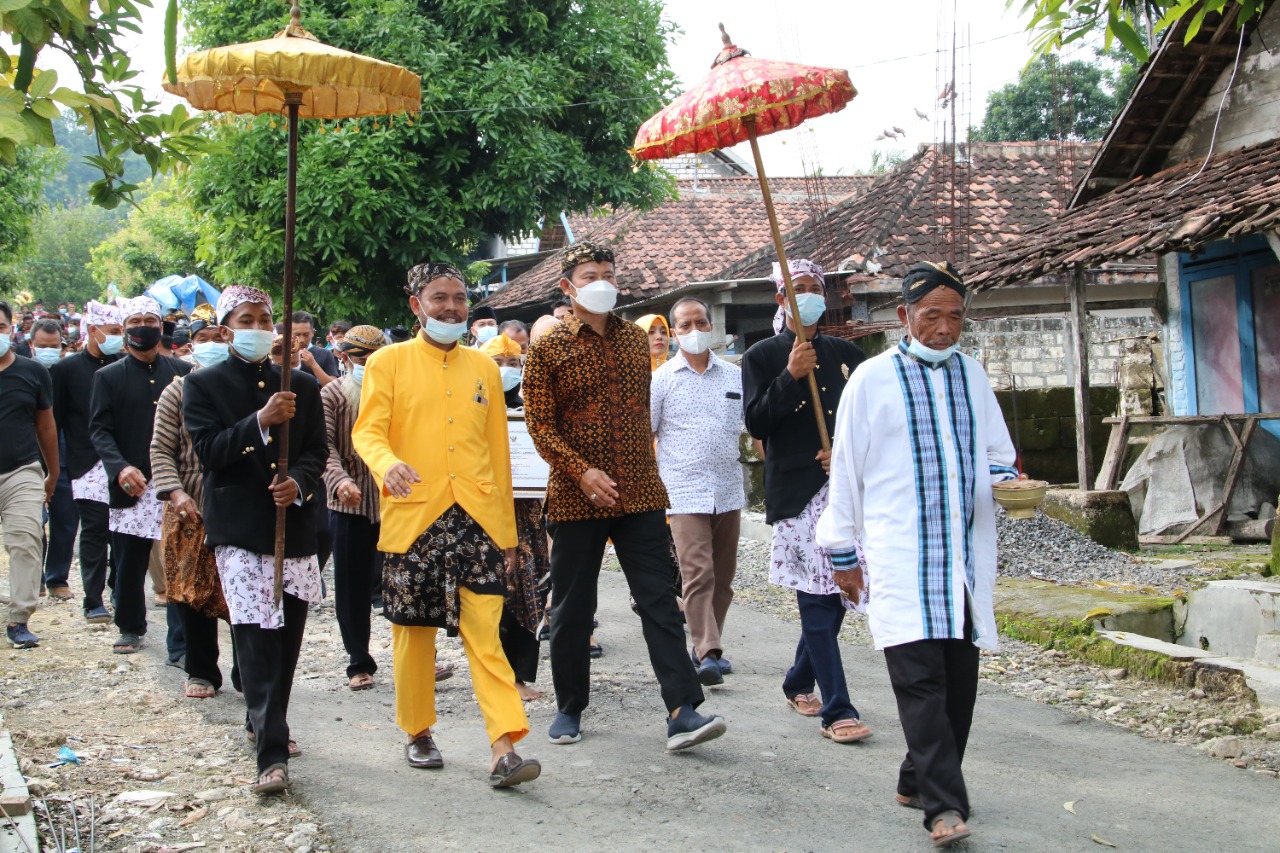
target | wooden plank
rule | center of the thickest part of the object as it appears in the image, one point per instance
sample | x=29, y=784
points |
x=1169, y=420
x=1079, y=319
x=1237, y=465
x=1003, y=311
x=1114, y=458
x=1191, y=540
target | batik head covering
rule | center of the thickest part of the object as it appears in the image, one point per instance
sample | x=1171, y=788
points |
x=138, y=305
x=646, y=322
x=584, y=252
x=238, y=294
x=423, y=274
x=925, y=278
x=798, y=267
x=362, y=340
x=500, y=346
x=98, y=314
x=202, y=317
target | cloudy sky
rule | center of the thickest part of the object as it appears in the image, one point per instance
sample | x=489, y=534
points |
x=891, y=51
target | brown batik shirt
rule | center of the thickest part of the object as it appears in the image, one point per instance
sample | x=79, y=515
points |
x=586, y=404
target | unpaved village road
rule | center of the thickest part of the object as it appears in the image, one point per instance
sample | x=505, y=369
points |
x=771, y=784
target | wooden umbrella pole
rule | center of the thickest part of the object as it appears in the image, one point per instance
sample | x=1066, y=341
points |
x=750, y=123
x=293, y=100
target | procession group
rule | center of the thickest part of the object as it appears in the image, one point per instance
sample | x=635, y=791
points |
x=399, y=467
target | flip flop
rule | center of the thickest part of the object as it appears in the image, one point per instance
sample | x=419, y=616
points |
x=271, y=783
x=199, y=688
x=294, y=749
x=950, y=819
x=360, y=681
x=847, y=731
x=128, y=644
x=911, y=802
x=805, y=704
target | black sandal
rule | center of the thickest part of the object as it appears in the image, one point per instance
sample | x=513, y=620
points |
x=511, y=770
x=269, y=783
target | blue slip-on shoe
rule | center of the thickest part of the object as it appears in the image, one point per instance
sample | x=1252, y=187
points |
x=689, y=728
x=709, y=673
x=565, y=728
x=725, y=666
x=21, y=637
x=98, y=615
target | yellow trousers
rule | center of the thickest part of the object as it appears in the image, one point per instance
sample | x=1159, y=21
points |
x=414, y=670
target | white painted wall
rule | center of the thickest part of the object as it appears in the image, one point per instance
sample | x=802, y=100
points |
x=1251, y=113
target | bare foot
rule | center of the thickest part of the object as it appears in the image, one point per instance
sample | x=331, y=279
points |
x=527, y=693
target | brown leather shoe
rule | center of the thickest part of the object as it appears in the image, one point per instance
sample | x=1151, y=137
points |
x=422, y=753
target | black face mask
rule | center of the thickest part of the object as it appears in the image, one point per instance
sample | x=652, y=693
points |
x=142, y=338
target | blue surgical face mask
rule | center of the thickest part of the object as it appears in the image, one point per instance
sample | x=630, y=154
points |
x=111, y=344
x=253, y=344
x=444, y=333
x=510, y=377
x=812, y=306
x=357, y=374
x=928, y=354
x=486, y=334
x=48, y=356
x=6, y=341
x=209, y=353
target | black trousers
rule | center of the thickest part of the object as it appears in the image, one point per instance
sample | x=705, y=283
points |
x=267, y=659
x=201, y=633
x=133, y=555
x=357, y=563
x=521, y=647
x=642, y=545
x=936, y=685
x=95, y=540
x=61, y=541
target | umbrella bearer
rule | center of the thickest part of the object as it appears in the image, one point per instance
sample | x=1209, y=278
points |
x=235, y=417
x=433, y=430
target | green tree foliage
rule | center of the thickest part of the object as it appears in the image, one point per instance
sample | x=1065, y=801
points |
x=20, y=204
x=1075, y=100
x=113, y=108
x=1057, y=23
x=529, y=107
x=159, y=239
x=56, y=267
x=69, y=185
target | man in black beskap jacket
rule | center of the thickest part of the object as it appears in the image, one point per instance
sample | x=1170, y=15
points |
x=778, y=409
x=237, y=415
x=123, y=413
x=72, y=393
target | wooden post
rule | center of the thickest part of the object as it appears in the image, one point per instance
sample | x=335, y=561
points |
x=750, y=123
x=293, y=100
x=1079, y=319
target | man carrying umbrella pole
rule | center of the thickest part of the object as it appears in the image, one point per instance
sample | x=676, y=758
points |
x=779, y=412
x=235, y=418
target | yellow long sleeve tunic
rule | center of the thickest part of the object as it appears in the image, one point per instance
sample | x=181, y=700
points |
x=441, y=412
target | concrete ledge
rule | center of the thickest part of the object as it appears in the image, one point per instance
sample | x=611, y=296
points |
x=1033, y=601
x=754, y=528
x=1215, y=674
x=1105, y=517
x=12, y=785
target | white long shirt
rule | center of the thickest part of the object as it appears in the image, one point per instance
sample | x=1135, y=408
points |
x=697, y=420
x=916, y=449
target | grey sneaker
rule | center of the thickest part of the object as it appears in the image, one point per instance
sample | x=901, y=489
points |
x=21, y=637
x=689, y=728
x=565, y=728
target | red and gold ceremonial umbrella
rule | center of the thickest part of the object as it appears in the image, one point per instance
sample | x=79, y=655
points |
x=294, y=73
x=744, y=98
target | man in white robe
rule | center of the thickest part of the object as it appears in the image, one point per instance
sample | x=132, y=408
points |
x=919, y=440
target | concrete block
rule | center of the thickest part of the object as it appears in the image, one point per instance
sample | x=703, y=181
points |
x=1228, y=617
x=1105, y=517
x=1267, y=649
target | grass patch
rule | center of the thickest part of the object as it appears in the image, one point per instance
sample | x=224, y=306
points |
x=1077, y=638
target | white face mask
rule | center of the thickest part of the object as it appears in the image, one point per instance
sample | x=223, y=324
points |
x=812, y=306
x=207, y=353
x=928, y=354
x=111, y=344
x=442, y=332
x=510, y=377
x=695, y=342
x=598, y=297
x=48, y=356
x=253, y=344
x=485, y=334
x=357, y=374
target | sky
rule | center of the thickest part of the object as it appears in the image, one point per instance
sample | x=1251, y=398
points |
x=891, y=51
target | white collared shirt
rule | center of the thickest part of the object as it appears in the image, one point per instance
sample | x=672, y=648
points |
x=697, y=420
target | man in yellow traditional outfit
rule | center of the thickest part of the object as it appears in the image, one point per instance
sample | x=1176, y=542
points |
x=433, y=431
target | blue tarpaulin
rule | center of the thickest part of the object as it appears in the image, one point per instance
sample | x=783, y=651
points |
x=183, y=292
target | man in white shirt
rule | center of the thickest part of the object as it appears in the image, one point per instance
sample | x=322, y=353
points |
x=919, y=440
x=696, y=413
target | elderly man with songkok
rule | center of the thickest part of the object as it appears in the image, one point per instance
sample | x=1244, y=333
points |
x=190, y=570
x=919, y=440
x=101, y=330
x=123, y=406
x=778, y=408
x=236, y=416
x=433, y=431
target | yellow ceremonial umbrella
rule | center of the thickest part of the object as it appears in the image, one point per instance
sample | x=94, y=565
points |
x=296, y=74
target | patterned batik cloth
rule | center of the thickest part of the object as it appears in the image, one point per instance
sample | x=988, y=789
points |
x=248, y=582
x=145, y=519
x=420, y=587
x=524, y=597
x=190, y=570
x=796, y=560
x=92, y=486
